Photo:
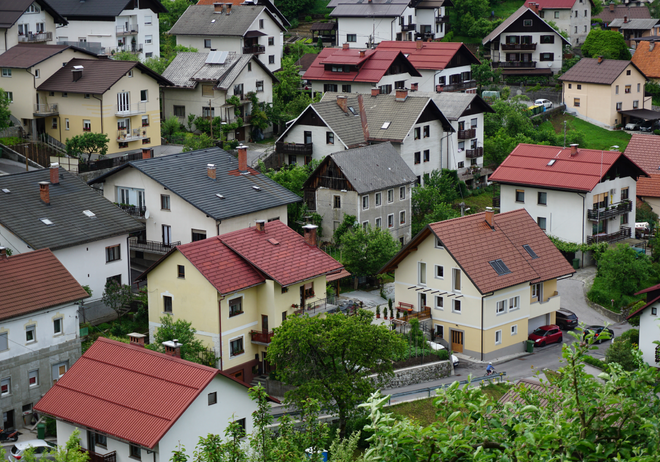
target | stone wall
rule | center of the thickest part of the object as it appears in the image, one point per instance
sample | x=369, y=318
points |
x=416, y=374
x=550, y=93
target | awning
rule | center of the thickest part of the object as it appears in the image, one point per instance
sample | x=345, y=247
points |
x=644, y=114
x=253, y=33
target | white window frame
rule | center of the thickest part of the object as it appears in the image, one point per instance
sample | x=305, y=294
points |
x=379, y=223
x=240, y=297
x=453, y=306
x=240, y=337
x=378, y=199
x=5, y=381
x=514, y=330
x=390, y=221
x=34, y=373
x=6, y=340
x=500, y=307
x=514, y=303
x=148, y=39
x=498, y=334
x=421, y=273
x=438, y=243
x=365, y=202
x=31, y=328
x=436, y=272
x=6, y=72
x=402, y=217
x=455, y=271
x=66, y=124
x=147, y=20
x=402, y=193
x=146, y=93
x=61, y=320
x=390, y=196
x=441, y=304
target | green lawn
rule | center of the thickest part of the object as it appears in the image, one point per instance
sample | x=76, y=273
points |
x=596, y=137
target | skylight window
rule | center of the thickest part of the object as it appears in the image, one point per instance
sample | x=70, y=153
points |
x=46, y=221
x=552, y=162
x=256, y=188
x=5, y=190
x=220, y=196
x=352, y=109
x=386, y=125
x=499, y=267
x=89, y=213
x=530, y=251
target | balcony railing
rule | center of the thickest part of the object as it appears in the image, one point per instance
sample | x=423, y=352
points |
x=467, y=134
x=124, y=110
x=610, y=212
x=474, y=153
x=294, y=148
x=456, y=86
x=45, y=109
x=518, y=46
x=130, y=47
x=441, y=19
x=124, y=136
x=142, y=245
x=134, y=210
x=408, y=27
x=527, y=64
x=131, y=29
x=96, y=457
x=36, y=38
x=254, y=49
x=623, y=233
x=259, y=336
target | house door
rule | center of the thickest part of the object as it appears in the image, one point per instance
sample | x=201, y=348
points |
x=266, y=364
x=457, y=341
x=91, y=441
x=264, y=323
x=8, y=420
x=167, y=235
x=302, y=296
x=238, y=375
x=422, y=302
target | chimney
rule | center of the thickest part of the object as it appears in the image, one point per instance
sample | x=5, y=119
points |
x=345, y=46
x=362, y=53
x=414, y=86
x=611, y=6
x=172, y=348
x=600, y=59
x=218, y=7
x=375, y=91
x=54, y=173
x=77, y=73
x=534, y=7
x=310, y=234
x=574, y=149
x=419, y=44
x=228, y=9
x=363, y=117
x=136, y=339
x=489, y=217
x=210, y=171
x=242, y=158
x=342, y=102
x=625, y=19
x=401, y=94
x=44, y=192
x=261, y=225
x=147, y=153
x=3, y=253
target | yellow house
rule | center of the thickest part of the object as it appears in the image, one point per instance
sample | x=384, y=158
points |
x=605, y=92
x=118, y=98
x=236, y=287
x=488, y=280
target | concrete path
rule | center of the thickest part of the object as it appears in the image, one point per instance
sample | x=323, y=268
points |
x=8, y=167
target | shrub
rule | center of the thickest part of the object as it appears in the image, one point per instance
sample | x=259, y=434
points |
x=308, y=19
x=594, y=362
x=294, y=23
x=631, y=335
x=622, y=352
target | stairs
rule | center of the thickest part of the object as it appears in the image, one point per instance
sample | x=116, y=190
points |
x=259, y=379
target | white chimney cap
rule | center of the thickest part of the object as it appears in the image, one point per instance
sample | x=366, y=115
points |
x=172, y=343
x=78, y=68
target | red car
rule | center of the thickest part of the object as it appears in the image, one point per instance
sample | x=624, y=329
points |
x=546, y=334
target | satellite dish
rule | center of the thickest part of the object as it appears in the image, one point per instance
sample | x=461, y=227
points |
x=147, y=214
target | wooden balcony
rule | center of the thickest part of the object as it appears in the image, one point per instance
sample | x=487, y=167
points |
x=96, y=457
x=36, y=38
x=142, y=245
x=294, y=148
x=623, y=233
x=518, y=46
x=467, y=134
x=474, y=153
x=441, y=19
x=423, y=314
x=510, y=64
x=254, y=49
x=262, y=337
x=609, y=212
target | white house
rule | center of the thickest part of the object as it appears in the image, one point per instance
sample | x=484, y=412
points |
x=131, y=403
x=524, y=44
x=649, y=326
x=570, y=16
x=577, y=195
x=28, y=21
x=53, y=209
x=645, y=152
x=191, y=196
x=111, y=26
x=38, y=330
x=245, y=29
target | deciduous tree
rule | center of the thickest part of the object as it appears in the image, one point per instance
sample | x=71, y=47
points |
x=88, y=143
x=609, y=44
x=365, y=251
x=192, y=349
x=4, y=110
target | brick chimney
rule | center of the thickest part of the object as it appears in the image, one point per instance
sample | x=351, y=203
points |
x=345, y=46
x=600, y=59
x=342, y=102
x=210, y=171
x=363, y=117
x=3, y=253
x=147, y=153
x=574, y=149
x=401, y=94
x=44, y=192
x=375, y=91
x=362, y=54
x=54, y=173
x=242, y=158
x=261, y=225
x=228, y=9
x=611, y=6
x=137, y=339
x=490, y=217
x=218, y=7
x=625, y=19
x=534, y=7
x=310, y=234
x=173, y=348
x=419, y=44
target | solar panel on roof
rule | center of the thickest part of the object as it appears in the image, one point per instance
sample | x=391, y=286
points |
x=530, y=251
x=499, y=267
x=217, y=57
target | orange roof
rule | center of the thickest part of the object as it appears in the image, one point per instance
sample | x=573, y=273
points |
x=24, y=289
x=644, y=150
x=649, y=187
x=647, y=59
x=430, y=55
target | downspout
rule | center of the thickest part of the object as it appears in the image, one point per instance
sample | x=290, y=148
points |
x=5, y=39
x=101, y=107
x=128, y=248
x=482, y=328
x=583, y=219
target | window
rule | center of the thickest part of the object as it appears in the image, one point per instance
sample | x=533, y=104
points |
x=129, y=73
x=542, y=198
x=236, y=347
x=402, y=217
x=378, y=199
x=5, y=387
x=541, y=221
x=556, y=14
x=165, y=202
x=271, y=41
x=635, y=105
x=365, y=225
x=547, y=39
x=579, y=87
x=31, y=333
x=619, y=106
x=4, y=343
x=10, y=96
x=390, y=195
x=146, y=140
x=379, y=223
x=456, y=279
x=439, y=302
x=440, y=331
x=87, y=125
x=456, y=306
x=241, y=423
x=438, y=243
x=6, y=72
x=570, y=85
x=66, y=124
x=365, y=202
x=208, y=111
x=113, y=253
x=547, y=56
x=585, y=26
x=402, y=193
x=167, y=304
x=418, y=132
x=500, y=267
x=514, y=303
x=135, y=452
x=54, y=122
x=520, y=195
x=624, y=219
x=575, y=26
x=498, y=337
x=213, y=398
x=235, y=306
x=57, y=326
x=527, y=23
x=329, y=138
x=514, y=329
x=100, y=440
x=351, y=38
x=144, y=96
x=37, y=73
x=616, y=89
x=421, y=273
x=33, y=378
x=148, y=39
x=180, y=271
x=536, y=291
x=329, y=87
x=58, y=370
x=346, y=88
x=439, y=272
x=336, y=202
x=145, y=120
x=628, y=88
x=207, y=43
x=418, y=157
x=628, y=72
x=657, y=354
x=147, y=20
x=390, y=220
x=576, y=102
x=261, y=24
x=500, y=307
x=427, y=155
x=624, y=194
x=271, y=59
x=180, y=111
x=65, y=95
x=654, y=311
x=461, y=164
x=638, y=86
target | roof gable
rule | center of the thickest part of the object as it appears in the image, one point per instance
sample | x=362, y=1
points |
x=24, y=55
x=12, y=10
x=432, y=55
x=454, y=104
x=514, y=23
x=590, y=70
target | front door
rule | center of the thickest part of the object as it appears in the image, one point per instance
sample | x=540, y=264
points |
x=91, y=441
x=8, y=420
x=265, y=363
x=264, y=323
x=457, y=341
x=167, y=235
x=422, y=302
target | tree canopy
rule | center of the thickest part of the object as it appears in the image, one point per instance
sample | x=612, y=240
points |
x=4, y=109
x=88, y=143
x=365, y=251
x=606, y=43
x=433, y=201
x=192, y=349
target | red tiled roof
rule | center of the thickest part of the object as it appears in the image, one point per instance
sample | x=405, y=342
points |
x=432, y=55
x=649, y=187
x=22, y=291
x=647, y=59
x=528, y=165
x=473, y=245
x=552, y=4
x=644, y=150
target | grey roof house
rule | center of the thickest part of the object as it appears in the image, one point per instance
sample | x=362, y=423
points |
x=373, y=183
x=193, y=195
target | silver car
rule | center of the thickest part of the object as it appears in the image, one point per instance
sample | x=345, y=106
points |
x=543, y=102
x=42, y=449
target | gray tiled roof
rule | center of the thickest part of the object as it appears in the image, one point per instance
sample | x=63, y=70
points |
x=453, y=104
x=110, y=8
x=588, y=70
x=202, y=20
x=377, y=9
x=12, y=10
x=186, y=176
x=347, y=126
x=639, y=24
x=402, y=115
x=229, y=77
x=373, y=168
x=22, y=209
x=188, y=67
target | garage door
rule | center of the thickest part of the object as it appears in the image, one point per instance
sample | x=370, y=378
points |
x=537, y=322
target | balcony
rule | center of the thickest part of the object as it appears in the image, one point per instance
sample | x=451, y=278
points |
x=441, y=19
x=293, y=148
x=467, y=134
x=125, y=110
x=126, y=136
x=96, y=457
x=261, y=337
x=35, y=38
x=133, y=210
x=474, y=153
x=456, y=86
x=254, y=49
x=408, y=27
x=43, y=110
x=609, y=212
x=131, y=29
x=142, y=245
x=510, y=64
x=518, y=46
x=623, y=233
x=131, y=48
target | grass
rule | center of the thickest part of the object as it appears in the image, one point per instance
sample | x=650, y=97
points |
x=595, y=137
x=507, y=8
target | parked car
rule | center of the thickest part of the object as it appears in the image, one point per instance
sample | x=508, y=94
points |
x=437, y=346
x=566, y=319
x=546, y=334
x=646, y=126
x=632, y=126
x=543, y=102
x=601, y=333
x=42, y=449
